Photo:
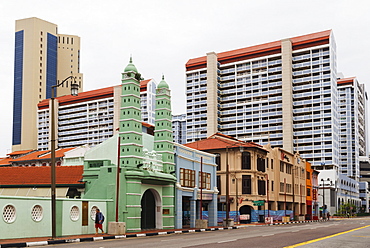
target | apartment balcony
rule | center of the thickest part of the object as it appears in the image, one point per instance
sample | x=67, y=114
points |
x=274, y=62
x=302, y=57
x=73, y=121
x=69, y=110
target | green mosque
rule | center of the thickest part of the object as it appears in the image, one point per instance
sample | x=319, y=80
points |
x=142, y=183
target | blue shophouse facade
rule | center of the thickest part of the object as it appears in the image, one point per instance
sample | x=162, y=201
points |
x=193, y=201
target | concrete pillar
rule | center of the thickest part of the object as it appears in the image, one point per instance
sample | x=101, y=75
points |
x=212, y=102
x=287, y=92
x=193, y=212
x=178, y=213
x=212, y=211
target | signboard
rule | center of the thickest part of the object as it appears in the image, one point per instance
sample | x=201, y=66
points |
x=258, y=203
x=244, y=217
x=223, y=198
x=269, y=220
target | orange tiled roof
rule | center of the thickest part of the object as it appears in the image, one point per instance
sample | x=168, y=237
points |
x=32, y=156
x=221, y=141
x=346, y=80
x=58, y=154
x=5, y=161
x=260, y=48
x=37, y=155
x=19, y=152
x=40, y=175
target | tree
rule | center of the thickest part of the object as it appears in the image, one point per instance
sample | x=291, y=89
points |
x=347, y=208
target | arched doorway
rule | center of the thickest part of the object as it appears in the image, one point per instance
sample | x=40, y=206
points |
x=245, y=210
x=148, y=213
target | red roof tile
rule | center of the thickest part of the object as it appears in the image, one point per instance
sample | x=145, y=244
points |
x=5, y=161
x=31, y=156
x=58, y=154
x=346, y=80
x=37, y=155
x=40, y=175
x=19, y=152
x=260, y=48
x=221, y=141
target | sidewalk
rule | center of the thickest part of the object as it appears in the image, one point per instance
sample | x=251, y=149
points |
x=38, y=241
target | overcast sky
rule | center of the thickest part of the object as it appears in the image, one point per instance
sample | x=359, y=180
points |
x=163, y=35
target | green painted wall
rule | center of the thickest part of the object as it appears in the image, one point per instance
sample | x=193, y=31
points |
x=25, y=226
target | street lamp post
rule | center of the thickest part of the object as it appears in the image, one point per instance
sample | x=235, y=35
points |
x=227, y=186
x=74, y=92
x=323, y=194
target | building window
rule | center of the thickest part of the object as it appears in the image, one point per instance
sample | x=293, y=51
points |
x=9, y=213
x=205, y=178
x=246, y=184
x=308, y=175
x=218, y=161
x=281, y=166
x=288, y=188
x=282, y=187
x=261, y=164
x=219, y=184
x=272, y=164
x=308, y=192
x=261, y=187
x=288, y=168
x=37, y=213
x=187, y=178
x=272, y=185
x=75, y=213
x=246, y=161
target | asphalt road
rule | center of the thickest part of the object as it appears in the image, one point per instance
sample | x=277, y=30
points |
x=334, y=233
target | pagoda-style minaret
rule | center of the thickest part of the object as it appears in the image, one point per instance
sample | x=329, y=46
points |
x=163, y=137
x=130, y=127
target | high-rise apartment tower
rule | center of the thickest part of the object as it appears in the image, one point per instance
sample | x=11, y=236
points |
x=282, y=92
x=353, y=131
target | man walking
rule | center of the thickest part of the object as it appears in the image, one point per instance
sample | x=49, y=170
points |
x=99, y=219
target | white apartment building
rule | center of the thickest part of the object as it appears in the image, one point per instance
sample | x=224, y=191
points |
x=282, y=92
x=89, y=118
x=353, y=131
x=147, y=95
x=179, y=128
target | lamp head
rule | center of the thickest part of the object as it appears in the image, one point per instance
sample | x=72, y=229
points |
x=74, y=89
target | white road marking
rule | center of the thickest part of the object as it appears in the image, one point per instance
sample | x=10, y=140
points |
x=225, y=241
